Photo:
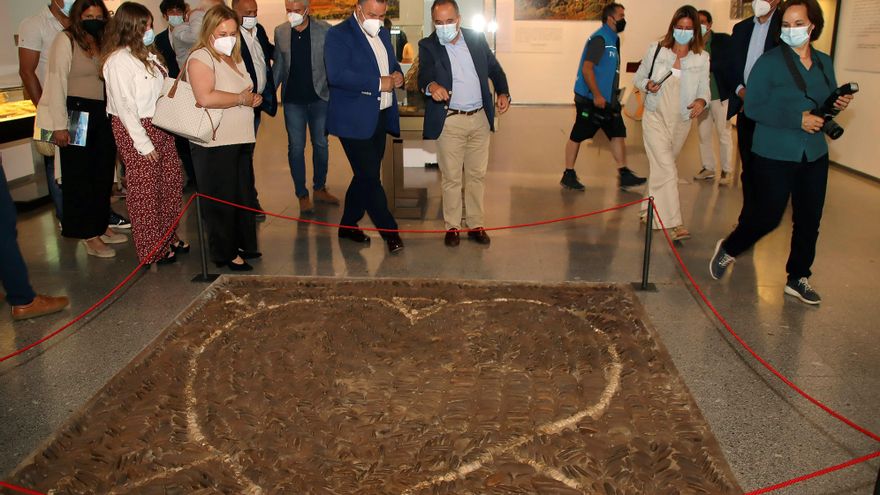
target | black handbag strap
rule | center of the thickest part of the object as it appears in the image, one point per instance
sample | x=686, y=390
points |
x=653, y=61
x=796, y=74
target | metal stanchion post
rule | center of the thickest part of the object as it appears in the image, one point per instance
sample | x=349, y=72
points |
x=644, y=285
x=203, y=246
x=877, y=484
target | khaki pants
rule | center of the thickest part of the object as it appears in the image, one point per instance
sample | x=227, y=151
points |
x=463, y=147
x=715, y=117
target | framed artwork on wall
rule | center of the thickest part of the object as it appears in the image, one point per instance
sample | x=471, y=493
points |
x=341, y=9
x=560, y=10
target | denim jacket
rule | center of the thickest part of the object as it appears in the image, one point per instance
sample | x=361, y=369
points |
x=694, y=77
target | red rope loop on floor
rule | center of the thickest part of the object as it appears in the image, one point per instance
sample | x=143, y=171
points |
x=19, y=489
x=110, y=294
x=815, y=474
x=747, y=347
x=669, y=241
x=415, y=231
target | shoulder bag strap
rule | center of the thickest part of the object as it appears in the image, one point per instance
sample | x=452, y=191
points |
x=653, y=61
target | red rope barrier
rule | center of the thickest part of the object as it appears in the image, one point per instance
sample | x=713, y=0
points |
x=816, y=474
x=110, y=294
x=413, y=231
x=19, y=489
x=747, y=347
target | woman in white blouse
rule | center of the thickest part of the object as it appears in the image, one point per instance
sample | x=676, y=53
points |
x=670, y=106
x=134, y=75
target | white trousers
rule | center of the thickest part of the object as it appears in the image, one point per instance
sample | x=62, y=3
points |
x=664, y=133
x=715, y=117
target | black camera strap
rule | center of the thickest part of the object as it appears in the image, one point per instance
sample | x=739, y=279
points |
x=796, y=74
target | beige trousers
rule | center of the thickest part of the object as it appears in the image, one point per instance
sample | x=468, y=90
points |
x=463, y=150
x=664, y=134
x=715, y=117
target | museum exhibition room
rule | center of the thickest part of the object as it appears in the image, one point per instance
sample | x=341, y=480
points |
x=453, y=283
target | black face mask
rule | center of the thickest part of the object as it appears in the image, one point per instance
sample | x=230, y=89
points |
x=94, y=26
x=620, y=26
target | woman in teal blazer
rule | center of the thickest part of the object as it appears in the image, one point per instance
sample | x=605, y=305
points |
x=790, y=151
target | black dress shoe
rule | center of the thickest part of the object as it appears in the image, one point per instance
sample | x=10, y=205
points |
x=168, y=258
x=452, y=238
x=480, y=236
x=395, y=243
x=180, y=247
x=249, y=255
x=354, y=234
x=236, y=267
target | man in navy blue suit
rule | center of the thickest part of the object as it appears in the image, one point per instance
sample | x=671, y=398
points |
x=455, y=68
x=362, y=73
x=750, y=39
x=257, y=53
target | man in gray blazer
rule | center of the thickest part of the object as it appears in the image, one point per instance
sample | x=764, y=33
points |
x=299, y=69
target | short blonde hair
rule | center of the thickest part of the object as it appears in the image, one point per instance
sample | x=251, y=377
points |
x=213, y=18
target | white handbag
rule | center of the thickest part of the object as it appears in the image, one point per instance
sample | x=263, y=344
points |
x=178, y=113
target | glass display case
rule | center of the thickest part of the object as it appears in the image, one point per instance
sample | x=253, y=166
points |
x=22, y=165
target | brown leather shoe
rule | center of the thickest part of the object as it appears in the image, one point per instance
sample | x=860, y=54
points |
x=324, y=196
x=305, y=205
x=452, y=238
x=480, y=236
x=40, y=306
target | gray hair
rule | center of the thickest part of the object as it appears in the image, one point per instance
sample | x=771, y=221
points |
x=361, y=2
x=304, y=2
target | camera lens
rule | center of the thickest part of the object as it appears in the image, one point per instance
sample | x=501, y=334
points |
x=832, y=129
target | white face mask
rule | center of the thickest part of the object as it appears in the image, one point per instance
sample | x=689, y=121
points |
x=225, y=45
x=175, y=20
x=761, y=7
x=249, y=22
x=446, y=32
x=371, y=26
x=295, y=19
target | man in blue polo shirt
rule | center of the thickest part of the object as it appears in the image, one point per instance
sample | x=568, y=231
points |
x=596, y=99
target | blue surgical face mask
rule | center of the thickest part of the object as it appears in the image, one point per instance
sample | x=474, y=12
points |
x=66, y=6
x=704, y=29
x=683, y=36
x=149, y=37
x=446, y=32
x=795, y=37
x=175, y=20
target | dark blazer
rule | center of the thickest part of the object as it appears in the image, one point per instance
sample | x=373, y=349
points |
x=270, y=101
x=738, y=52
x=353, y=77
x=434, y=66
x=718, y=63
x=317, y=33
x=163, y=44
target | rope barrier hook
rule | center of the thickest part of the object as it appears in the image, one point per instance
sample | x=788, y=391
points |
x=644, y=285
x=203, y=246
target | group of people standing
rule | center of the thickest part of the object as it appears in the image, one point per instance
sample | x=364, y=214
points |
x=767, y=75
x=341, y=80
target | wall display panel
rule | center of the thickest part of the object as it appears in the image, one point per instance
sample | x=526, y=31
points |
x=566, y=10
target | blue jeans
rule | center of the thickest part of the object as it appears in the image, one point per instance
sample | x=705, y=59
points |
x=296, y=117
x=13, y=272
x=52, y=184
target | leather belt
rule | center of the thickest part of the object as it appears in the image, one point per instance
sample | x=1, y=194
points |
x=451, y=111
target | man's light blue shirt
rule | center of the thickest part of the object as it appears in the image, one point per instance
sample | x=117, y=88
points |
x=466, y=93
x=756, y=45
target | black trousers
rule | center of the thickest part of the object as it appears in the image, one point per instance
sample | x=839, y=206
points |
x=224, y=173
x=365, y=193
x=775, y=181
x=183, y=151
x=745, y=132
x=87, y=174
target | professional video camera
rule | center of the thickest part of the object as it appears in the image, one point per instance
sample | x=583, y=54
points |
x=828, y=111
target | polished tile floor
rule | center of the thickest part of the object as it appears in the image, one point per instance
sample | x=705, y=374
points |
x=768, y=433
